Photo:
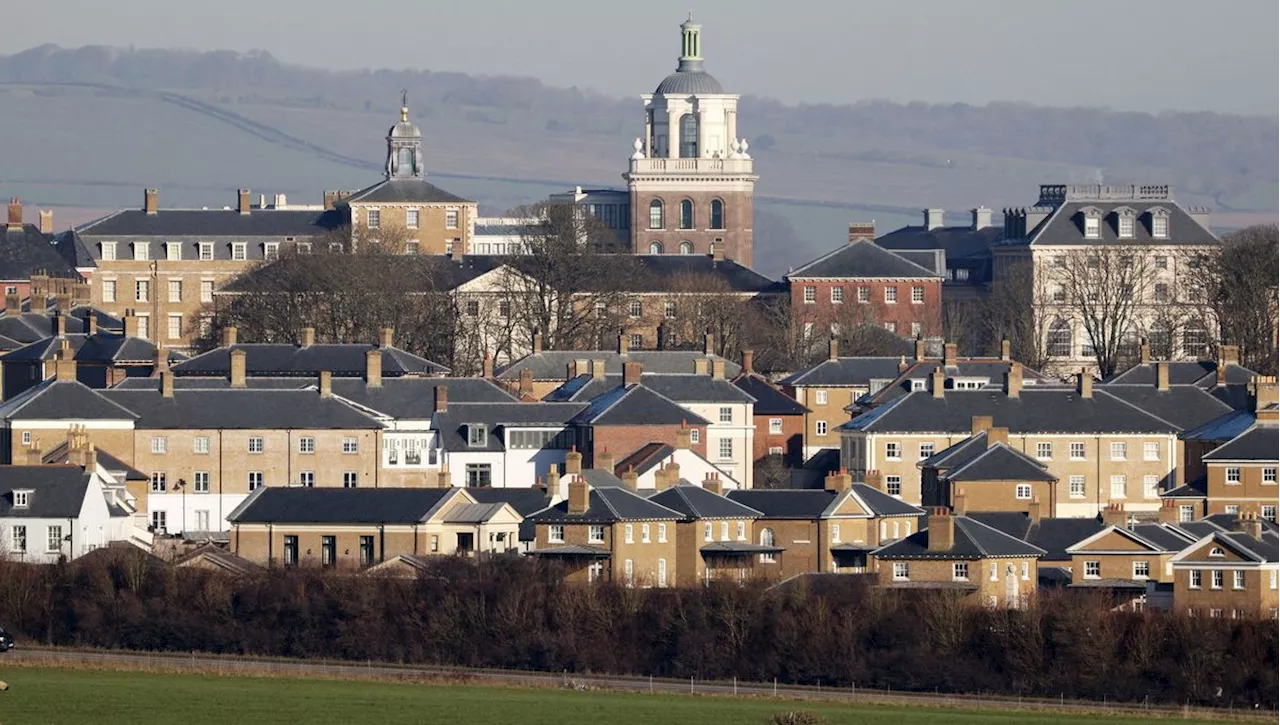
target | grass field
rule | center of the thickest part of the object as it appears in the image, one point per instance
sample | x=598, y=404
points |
x=84, y=696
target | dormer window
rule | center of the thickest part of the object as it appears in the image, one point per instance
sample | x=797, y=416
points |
x=1160, y=227
x=21, y=499
x=477, y=435
x=1124, y=223
x=1092, y=222
x=141, y=251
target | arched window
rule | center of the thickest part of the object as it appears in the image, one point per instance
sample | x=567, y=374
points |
x=1059, y=341
x=767, y=539
x=686, y=247
x=688, y=136
x=404, y=165
x=686, y=214
x=717, y=214
x=655, y=214
x=1195, y=340
x=655, y=248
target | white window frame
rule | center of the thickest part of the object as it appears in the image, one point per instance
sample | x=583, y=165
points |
x=1238, y=579
x=108, y=251
x=206, y=251
x=206, y=290
x=917, y=295
x=1151, y=486
x=451, y=217
x=837, y=295
x=725, y=449
x=1077, y=451
x=644, y=533
x=864, y=295
x=141, y=251
x=255, y=479
x=819, y=397
x=1269, y=475
x=1022, y=492
x=555, y=534
x=662, y=533
x=1142, y=569
x=350, y=445
x=820, y=427
x=1044, y=451
x=1121, y=481
x=891, y=294
x=629, y=533
x=351, y=479
x=306, y=445
x=108, y=290
x=1195, y=579
x=1093, y=569
x=159, y=445
x=412, y=217
x=1151, y=451
x=239, y=251
x=142, y=290
x=200, y=482
x=1076, y=486
x=1216, y=579
x=891, y=483
x=256, y=445
x=1119, y=450
x=1233, y=475
x=53, y=538
x=893, y=451
x=595, y=534
x=174, y=324
x=726, y=414
x=775, y=426
x=927, y=450
x=901, y=571
x=960, y=571
x=810, y=294
x=200, y=445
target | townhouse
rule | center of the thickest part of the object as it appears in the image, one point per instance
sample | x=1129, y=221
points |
x=49, y=513
x=648, y=462
x=357, y=528
x=779, y=421
x=501, y=444
x=1129, y=560
x=1229, y=573
x=834, y=529
x=1105, y=449
x=27, y=251
x=959, y=373
x=989, y=473
x=715, y=536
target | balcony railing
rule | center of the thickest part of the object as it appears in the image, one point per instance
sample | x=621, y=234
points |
x=693, y=166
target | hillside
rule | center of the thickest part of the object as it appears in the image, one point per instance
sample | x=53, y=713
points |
x=91, y=126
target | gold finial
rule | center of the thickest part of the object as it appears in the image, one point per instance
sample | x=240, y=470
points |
x=404, y=105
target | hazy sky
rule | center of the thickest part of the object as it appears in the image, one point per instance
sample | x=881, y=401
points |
x=1146, y=55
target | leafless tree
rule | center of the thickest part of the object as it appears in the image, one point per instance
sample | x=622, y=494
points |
x=706, y=304
x=1104, y=289
x=1235, y=287
x=1015, y=310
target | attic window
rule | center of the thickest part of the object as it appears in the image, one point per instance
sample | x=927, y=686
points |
x=1124, y=225
x=477, y=435
x=1092, y=227
x=1217, y=552
x=1160, y=226
x=21, y=499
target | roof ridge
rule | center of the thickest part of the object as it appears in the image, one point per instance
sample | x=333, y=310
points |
x=1145, y=412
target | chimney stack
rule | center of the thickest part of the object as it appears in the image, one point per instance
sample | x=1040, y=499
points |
x=553, y=481
x=486, y=366
x=862, y=230
x=1006, y=351
x=12, y=305
x=981, y=218
x=579, y=495
x=1168, y=511
x=1249, y=523
x=684, y=437
x=950, y=354
x=15, y=213
x=709, y=344
x=919, y=352
x=46, y=221
x=1013, y=380
x=717, y=368
x=1033, y=511
x=1230, y=354
x=373, y=368
x=1114, y=515
x=91, y=323
x=979, y=423
x=242, y=201
x=441, y=398
x=933, y=219
x=748, y=361
x=166, y=384
x=942, y=529
x=838, y=481
x=667, y=475
x=525, y=389
x=833, y=348
x=308, y=337
x=630, y=479
x=713, y=483
x=326, y=384
x=631, y=372
x=903, y=365
x=960, y=502
x=597, y=369
x=573, y=461
x=938, y=382
x=151, y=201
x=717, y=251
x=237, y=368
x=387, y=337
x=228, y=336
x=59, y=323
x=701, y=365
x=1162, y=375
x=623, y=343
x=64, y=366
x=1084, y=383
x=874, y=479
x=603, y=461
x=130, y=319
x=537, y=341
x=1144, y=352
x=997, y=434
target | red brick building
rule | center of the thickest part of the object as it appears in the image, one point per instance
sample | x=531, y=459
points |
x=779, y=420
x=861, y=283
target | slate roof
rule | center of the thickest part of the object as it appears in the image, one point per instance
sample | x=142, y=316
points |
x=607, y=505
x=601, y=479
x=55, y=400
x=973, y=540
x=220, y=558
x=572, y=550
x=696, y=502
x=58, y=491
x=1186, y=406
x=239, y=409
x=1264, y=550
x=473, y=513
x=769, y=400
x=554, y=364
x=1065, y=226
x=343, y=360
x=679, y=388
x=636, y=405
x=813, y=472
x=737, y=547
x=1165, y=538
x=1038, y=410
x=415, y=397
x=957, y=453
x=433, y=272
x=1053, y=535
x=793, y=503
x=858, y=371
x=24, y=251
x=1223, y=428
x=402, y=191
x=1227, y=522
x=882, y=504
x=1259, y=443
x=273, y=504
x=525, y=501
x=1000, y=463
x=497, y=416
x=1182, y=372
x=211, y=383
x=658, y=271
x=28, y=327
x=175, y=224
x=104, y=347
x=861, y=259
x=645, y=457
x=1191, y=489
x=59, y=453
x=959, y=242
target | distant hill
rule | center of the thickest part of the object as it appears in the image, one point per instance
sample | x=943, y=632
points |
x=91, y=126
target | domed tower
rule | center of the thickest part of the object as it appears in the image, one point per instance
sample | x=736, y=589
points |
x=691, y=180
x=404, y=148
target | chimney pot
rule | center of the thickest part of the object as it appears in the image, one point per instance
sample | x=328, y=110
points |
x=604, y=461
x=981, y=218
x=938, y=382
x=579, y=494
x=942, y=532
x=919, y=351
x=597, y=369
x=684, y=438
x=630, y=479
x=709, y=344
x=1162, y=375
x=700, y=365
x=838, y=481
x=717, y=368
x=859, y=231
x=1006, y=353
x=15, y=213
x=1013, y=380
x=573, y=461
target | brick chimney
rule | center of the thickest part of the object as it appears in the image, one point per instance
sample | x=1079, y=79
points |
x=624, y=343
x=525, y=389
x=1230, y=354
x=537, y=341
x=373, y=368
x=81, y=294
x=950, y=354
x=237, y=368
x=326, y=384
x=12, y=305
x=308, y=337
x=713, y=483
x=630, y=479
x=748, y=361
x=1168, y=512
x=997, y=434
x=91, y=323
x=1013, y=380
x=579, y=495
x=833, y=349
x=979, y=423
x=874, y=479
x=1162, y=375
x=1084, y=383
x=486, y=366
x=631, y=372
x=1144, y=352
x=1006, y=350
x=709, y=344
x=684, y=437
x=15, y=213
x=1114, y=515
x=861, y=230
x=46, y=221
x=64, y=365
x=228, y=337
x=597, y=369
x=553, y=480
x=1249, y=523
x=1033, y=511
x=667, y=475
x=387, y=337
x=573, y=461
x=441, y=399
x=919, y=349
x=130, y=323
x=59, y=323
x=166, y=384
x=903, y=365
x=717, y=251
x=33, y=455
x=938, y=382
x=717, y=368
x=838, y=481
x=701, y=365
x=942, y=529
x=151, y=201
x=242, y=201
x=960, y=502
x=1263, y=392
x=603, y=461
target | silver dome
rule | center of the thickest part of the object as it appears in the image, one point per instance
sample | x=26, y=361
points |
x=687, y=83
x=404, y=129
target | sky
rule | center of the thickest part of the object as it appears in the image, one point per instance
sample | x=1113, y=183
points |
x=1144, y=55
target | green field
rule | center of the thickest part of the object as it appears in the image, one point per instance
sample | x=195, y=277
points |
x=82, y=696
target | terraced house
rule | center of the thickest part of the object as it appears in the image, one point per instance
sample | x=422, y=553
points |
x=1229, y=573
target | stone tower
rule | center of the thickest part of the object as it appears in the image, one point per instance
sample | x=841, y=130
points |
x=691, y=179
x=404, y=147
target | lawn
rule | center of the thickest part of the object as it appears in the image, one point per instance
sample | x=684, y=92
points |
x=46, y=696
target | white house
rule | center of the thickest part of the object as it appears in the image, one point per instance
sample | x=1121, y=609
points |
x=49, y=512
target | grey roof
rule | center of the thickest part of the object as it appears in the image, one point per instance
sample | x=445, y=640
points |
x=1259, y=443
x=554, y=364
x=104, y=347
x=572, y=550
x=635, y=405
x=769, y=399
x=24, y=251
x=696, y=502
x=882, y=504
x=658, y=272
x=958, y=242
x=239, y=409
x=992, y=369
x=30, y=326
x=59, y=454
x=680, y=388
x=415, y=397
x=1000, y=462
x=601, y=479
x=1191, y=489
x=211, y=383
x=453, y=422
x=187, y=225
x=1043, y=410
x=402, y=191
x=861, y=259
x=1186, y=406
x=1164, y=538
x=687, y=83
x=973, y=540
x=957, y=453
x=1110, y=584
x=737, y=547
x=1223, y=428
x=524, y=500
x=1053, y=535
x=220, y=558
x=1257, y=550
x=433, y=272
x=55, y=400
x=57, y=491
x=813, y=503
x=343, y=360
x=1065, y=225
x=271, y=504
x=1182, y=372
x=607, y=505
x=858, y=371
x=473, y=513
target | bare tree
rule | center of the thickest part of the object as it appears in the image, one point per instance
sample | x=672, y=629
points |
x=1235, y=287
x=1104, y=288
x=701, y=304
x=1015, y=309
